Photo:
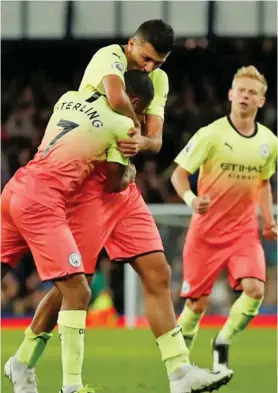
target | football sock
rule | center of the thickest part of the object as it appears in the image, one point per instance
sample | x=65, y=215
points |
x=173, y=350
x=71, y=332
x=32, y=347
x=189, y=322
x=242, y=312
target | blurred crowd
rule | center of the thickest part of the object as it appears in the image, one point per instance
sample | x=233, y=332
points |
x=35, y=74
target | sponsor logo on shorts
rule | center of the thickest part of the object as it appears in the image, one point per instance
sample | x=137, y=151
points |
x=119, y=66
x=264, y=150
x=75, y=259
x=185, y=287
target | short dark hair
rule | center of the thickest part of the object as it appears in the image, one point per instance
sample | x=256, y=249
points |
x=158, y=33
x=138, y=84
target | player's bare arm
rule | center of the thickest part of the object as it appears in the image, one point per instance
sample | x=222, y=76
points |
x=181, y=184
x=266, y=205
x=118, y=98
x=117, y=177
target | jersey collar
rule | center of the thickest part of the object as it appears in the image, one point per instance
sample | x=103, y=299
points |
x=244, y=136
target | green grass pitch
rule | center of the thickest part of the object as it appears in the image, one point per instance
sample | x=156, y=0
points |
x=128, y=361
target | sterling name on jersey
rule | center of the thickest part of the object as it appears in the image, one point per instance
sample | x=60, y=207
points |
x=82, y=130
x=232, y=168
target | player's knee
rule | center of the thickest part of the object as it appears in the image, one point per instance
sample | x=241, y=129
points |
x=254, y=288
x=198, y=306
x=76, y=292
x=84, y=295
x=164, y=276
x=158, y=277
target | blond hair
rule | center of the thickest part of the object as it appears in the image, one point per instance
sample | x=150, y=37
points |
x=252, y=73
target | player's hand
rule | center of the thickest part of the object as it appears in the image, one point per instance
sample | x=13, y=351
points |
x=201, y=204
x=270, y=231
x=129, y=147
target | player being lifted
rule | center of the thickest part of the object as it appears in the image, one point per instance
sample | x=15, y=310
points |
x=236, y=157
x=82, y=130
x=126, y=227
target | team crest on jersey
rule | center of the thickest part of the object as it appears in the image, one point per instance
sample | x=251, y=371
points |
x=264, y=150
x=119, y=66
x=74, y=259
x=185, y=288
x=188, y=148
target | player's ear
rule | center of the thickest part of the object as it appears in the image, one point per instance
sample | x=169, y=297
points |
x=130, y=44
x=230, y=94
x=262, y=102
x=135, y=101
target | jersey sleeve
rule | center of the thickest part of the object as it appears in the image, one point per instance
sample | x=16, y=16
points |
x=271, y=164
x=161, y=89
x=196, y=152
x=113, y=155
x=105, y=62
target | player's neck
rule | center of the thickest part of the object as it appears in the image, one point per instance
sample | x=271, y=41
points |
x=245, y=125
x=127, y=55
x=124, y=47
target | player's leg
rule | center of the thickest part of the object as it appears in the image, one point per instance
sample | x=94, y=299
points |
x=38, y=334
x=154, y=273
x=201, y=267
x=244, y=309
x=90, y=236
x=72, y=323
x=136, y=239
x=41, y=229
x=190, y=318
x=247, y=273
x=13, y=246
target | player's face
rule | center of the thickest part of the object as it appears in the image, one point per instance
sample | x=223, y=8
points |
x=246, y=96
x=138, y=105
x=142, y=56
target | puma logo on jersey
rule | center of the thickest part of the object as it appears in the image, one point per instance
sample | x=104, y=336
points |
x=115, y=54
x=227, y=144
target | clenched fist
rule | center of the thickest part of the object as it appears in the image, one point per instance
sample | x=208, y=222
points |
x=270, y=232
x=201, y=204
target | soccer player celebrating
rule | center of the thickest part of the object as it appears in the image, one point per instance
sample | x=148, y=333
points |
x=82, y=130
x=236, y=157
x=124, y=224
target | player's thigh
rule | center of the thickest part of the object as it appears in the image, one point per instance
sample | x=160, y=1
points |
x=49, y=238
x=135, y=234
x=91, y=222
x=13, y=246
x=247, y=260
x=201, y=267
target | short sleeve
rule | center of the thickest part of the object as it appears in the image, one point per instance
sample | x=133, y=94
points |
x=270, y=166
x=107, y=61
x=196, y=152
x=161, y=89
x=113, y=155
